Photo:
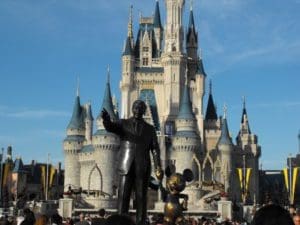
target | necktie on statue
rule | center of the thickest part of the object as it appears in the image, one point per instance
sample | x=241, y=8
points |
x=136, y=127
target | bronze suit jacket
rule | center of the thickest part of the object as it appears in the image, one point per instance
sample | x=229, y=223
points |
x=138, y=139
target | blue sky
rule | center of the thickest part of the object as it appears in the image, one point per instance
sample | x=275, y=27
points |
x=249, y=48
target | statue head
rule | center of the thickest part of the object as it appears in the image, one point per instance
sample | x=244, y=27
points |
x=138, y=109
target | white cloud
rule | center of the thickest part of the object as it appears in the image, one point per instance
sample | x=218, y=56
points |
x=32, y=114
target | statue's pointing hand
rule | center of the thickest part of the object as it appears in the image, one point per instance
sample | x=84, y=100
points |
x=105, y=115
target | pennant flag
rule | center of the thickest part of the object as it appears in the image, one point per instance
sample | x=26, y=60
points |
x=248, y=174
x=240, y=173
x=43, y=176
x=52, y=173
x=286, y=178
x=295, y=174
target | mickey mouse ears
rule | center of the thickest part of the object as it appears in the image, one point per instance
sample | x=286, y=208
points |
x=188, y=175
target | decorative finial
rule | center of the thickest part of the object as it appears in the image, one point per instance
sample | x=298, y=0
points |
x=191, y=5
x=108, y=73
x=225, y=111
x=130, y=32
x=244, y=101
x=210, y=86
x=77, y=91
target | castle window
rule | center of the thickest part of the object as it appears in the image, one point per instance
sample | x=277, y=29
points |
x=145, y=62
x=145, y=49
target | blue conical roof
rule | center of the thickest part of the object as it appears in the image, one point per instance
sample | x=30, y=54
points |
x=201, y=67
x=191, y=20
x=157, y=20
x=211, y=113
x=185, y=109
x=225, y=137
x=107, y=101
x=77, y=117
x=128, y=49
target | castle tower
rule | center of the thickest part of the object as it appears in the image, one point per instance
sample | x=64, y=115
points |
x=186, y=142
x=174, y=60
x=225, y=148
x=174, y=28
x=106, y=145
x=128, y=63
x=196, y=74
x=249, y=146
x=72, y=145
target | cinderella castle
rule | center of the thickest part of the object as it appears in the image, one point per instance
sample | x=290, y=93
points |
x=162, y=66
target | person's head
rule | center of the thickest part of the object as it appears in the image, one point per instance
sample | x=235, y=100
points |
x=138, y=109
x=296, y=218
x=272, y=215
x=102, y=212
x=42, y=220
x=56, y=218
x=292, y=209
x=81, y=217
x=119, y=220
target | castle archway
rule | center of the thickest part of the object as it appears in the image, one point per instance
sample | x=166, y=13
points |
x=98, y=171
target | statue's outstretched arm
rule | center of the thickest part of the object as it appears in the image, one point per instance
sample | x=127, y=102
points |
x=110, y=126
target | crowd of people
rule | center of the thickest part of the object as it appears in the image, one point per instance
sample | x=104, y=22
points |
x=267, y=215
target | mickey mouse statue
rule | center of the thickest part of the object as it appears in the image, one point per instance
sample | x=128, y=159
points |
x=174, y=207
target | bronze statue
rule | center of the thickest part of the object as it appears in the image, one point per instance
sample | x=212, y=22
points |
x=138, y=138
x=176, y=182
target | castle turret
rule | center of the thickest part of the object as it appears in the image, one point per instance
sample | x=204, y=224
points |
x=225, y=147
x=174, y=27
x=9, y=154
x=72, y=145
x=105, y=145
x=248, y=144
x=174, y=60
x=186, y=142
x=106, y=104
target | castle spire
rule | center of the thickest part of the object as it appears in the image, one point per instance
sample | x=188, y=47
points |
x=128, y=49
x=225, y=138
x=157, y=20
x=191, y=19
x=185, y=108
x=76, y=121
x=130, y=32
x=245, y=127
x=107, y=99
x=211, y=112
x=77, y=90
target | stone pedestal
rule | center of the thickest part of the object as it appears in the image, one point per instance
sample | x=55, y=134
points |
x=159, y=206
x=225, y=209
x=66, y=207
